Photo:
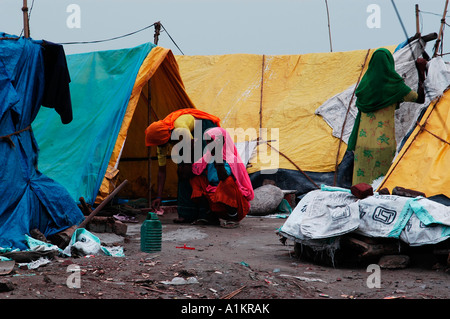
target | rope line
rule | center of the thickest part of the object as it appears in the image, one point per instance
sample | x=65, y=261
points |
x=124, y=36
x=109, y=39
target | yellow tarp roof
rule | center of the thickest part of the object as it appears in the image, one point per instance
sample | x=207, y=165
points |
x=276, y=92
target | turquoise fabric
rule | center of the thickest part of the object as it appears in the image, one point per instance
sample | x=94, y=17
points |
x=213, y=178
x=77, y=154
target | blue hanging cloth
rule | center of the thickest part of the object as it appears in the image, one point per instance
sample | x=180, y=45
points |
x=29, y=199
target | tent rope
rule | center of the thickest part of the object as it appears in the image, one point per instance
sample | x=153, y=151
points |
x=345, y=119
x=422, y=128
x=296, y=166
x=8, y=137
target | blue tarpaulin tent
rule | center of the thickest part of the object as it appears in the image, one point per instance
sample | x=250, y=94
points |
x=29, y=199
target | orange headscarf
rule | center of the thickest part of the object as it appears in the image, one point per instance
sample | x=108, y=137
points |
x=158, y=133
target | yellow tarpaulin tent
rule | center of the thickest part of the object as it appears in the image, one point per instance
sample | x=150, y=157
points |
x=276, y=92
x=423, y=162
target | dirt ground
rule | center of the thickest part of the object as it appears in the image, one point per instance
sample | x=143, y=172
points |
x=247, y=262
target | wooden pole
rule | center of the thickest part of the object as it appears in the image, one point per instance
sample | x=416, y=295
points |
x=100, y=207
x=329, y=29
x=157, y=31
x=263, y=66
x=441, y=30
x=26, y=27
x=417, y=20
x=149, y=157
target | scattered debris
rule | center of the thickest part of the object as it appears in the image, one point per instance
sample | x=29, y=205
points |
x=394, y=261
x=6, y=266
x=304, y=278
x=186, y=247
x=35, y=264
x=181, y=281
x=234, y=293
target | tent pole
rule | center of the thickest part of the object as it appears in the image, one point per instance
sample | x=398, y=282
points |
x=157, y=31
x=329, y=28
x=417, y=20
x=441, y=30
x=26, y=26
x=149, y=160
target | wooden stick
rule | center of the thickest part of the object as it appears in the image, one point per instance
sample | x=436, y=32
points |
x=157, y=31
x=149, y=155
x=441, y=30
x=417, y=20
x=26, y=26
x=234, y=293
x=100, y=207
x=329, y=29
x=263, y=66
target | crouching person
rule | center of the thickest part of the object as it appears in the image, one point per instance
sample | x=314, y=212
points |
x=221, y=180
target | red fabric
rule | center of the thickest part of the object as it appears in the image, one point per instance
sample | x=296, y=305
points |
x=226, y=195
x=231, y=155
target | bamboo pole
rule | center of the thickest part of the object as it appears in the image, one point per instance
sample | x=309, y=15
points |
x=149, y=120
x=157, y=31
x=441, y=30
x=329, y=29
x=26, y=26
x=417, y=20
x=149, y=157
x=100, y=207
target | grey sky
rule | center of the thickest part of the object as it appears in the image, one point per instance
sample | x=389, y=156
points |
x=209, y=27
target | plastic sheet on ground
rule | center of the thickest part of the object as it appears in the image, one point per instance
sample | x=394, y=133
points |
x=86, y=243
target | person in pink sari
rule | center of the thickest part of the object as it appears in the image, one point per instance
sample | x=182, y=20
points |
x=222, y=180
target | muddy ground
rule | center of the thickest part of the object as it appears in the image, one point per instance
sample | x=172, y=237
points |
x=248, y=262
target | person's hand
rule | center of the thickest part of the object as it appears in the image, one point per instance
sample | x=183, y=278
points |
x=420, y=93
x=221, y=172
x=421, y=65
